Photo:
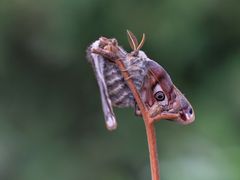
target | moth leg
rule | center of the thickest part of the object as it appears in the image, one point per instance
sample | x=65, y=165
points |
x=125, y=70
x=105, y=53
x=137, y=110
x=130, y=77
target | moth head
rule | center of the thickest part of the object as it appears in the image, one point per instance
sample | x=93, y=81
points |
x=163, y=97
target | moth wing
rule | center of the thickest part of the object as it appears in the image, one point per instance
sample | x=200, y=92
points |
x=97, y=62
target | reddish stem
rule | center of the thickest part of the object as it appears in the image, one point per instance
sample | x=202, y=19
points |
x=148, y=121
x=110, y=51
x=153, y=153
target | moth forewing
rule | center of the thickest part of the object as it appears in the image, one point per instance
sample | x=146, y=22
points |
x=97, y=62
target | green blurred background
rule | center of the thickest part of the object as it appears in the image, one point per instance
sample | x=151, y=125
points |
x=51, y=121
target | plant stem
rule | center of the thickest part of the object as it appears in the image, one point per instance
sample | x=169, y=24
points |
x=152, y=147
x=110, y=51
x=148, y=121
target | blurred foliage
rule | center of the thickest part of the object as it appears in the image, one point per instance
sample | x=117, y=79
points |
x=51, y=121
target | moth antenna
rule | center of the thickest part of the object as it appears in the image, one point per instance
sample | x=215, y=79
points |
x=132, y=40
x=142, y=42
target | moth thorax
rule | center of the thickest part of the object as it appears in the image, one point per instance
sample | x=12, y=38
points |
x=118, y=91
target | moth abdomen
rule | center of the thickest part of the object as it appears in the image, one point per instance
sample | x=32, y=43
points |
x=118, y=91
x=123, y=99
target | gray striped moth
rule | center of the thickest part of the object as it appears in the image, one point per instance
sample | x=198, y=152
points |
x=154, y=84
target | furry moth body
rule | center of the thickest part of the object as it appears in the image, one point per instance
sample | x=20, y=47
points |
x=151, y=80
x=114, y=91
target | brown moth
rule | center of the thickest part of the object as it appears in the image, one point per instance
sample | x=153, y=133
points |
x=154, y=84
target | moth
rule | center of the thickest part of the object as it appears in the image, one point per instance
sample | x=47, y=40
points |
x=152, y=81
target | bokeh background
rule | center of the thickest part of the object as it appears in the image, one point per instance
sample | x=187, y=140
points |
x=51, y=121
